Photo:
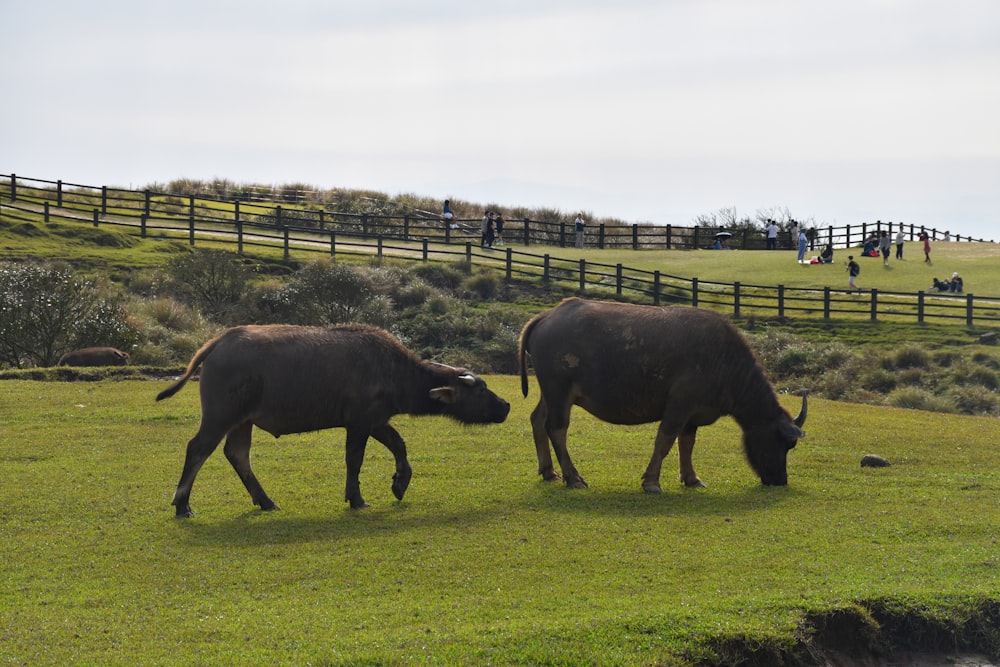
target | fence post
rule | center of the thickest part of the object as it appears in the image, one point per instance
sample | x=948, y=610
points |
x=545, y=269
x=847, y=236
x=656, y=287
x=46, y=211
x=236, y=210
x=447, y=233
x=59, y=194
x=468, y=253
x=670, y=234
x=527, y=235
x=364, y=224
x=278, y=216
x=97, y=215
x=510, y=265
x=635, y=237
x=696, y=243
x=874, y=304
x=618, y=279
x=781, y=301
x=968, y=310
x=600, y=236
x=562, y=234
x=694, y=292
x=191, y=228
x=148, y=199
x=826, y=302
x=333, y=243
x=13, y=187
x=322, y=219
x=920, y=307
x=736, y=299
x=379, y=241
x=239, y=237
x=406, y=227
x=104, y=200
x=583, y=275
x=191, y=206
x=142, y=226
x=423, y=248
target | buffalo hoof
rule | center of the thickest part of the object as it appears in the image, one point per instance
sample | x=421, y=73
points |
x=695, y=484
x=358, y=504
x=652, y=488
x=268, y=505
x=550, y=475
x=577, y=483
x=184, y=512
x=400, y=482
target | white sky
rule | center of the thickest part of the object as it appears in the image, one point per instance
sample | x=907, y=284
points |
x=843, y=111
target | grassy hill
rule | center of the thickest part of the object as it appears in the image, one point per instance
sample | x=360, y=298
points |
x=484, y=563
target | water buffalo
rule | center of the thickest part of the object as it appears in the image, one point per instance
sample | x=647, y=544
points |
x=628, y=364
x=292, y=379
x=94, y=356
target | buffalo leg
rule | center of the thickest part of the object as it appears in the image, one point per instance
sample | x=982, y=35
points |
x=237, y=451
x=394, y=442
x=357, y=440
x=665, y=436
x=199, y=448
x=541, y=436
x=557, y=426
x=685, y=447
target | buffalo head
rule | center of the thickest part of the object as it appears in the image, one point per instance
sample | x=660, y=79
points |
x=467, y=399
x=767, y=445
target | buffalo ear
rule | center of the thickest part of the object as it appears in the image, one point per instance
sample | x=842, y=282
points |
x=791, y=431
x=443, y=394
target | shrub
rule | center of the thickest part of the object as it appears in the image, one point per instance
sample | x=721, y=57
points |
x=326, y=292
x=915, y=398
x=911, y=356
x=45, y=311
x=442, y=276
x=878, y=380
x=974, y=400
x=214, y=280
x=484, y=285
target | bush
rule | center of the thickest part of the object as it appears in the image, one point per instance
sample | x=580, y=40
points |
x=45, y=311
x=213, y=280
x=975, y=400
x=326, y=292
x=911, y=356
x=484, y=285
x=915, y=398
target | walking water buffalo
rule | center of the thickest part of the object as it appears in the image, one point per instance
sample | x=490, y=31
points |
x=628, y=364
x=292, y=379
x=94, y=356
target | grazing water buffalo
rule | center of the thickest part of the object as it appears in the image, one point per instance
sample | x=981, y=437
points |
x=627, y=364
x=290, y=379
x=94, y=356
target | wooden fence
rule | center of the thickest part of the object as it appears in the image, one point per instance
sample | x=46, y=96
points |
x=592, y=279
x=136, y=203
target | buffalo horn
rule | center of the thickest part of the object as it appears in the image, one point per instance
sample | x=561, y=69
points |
x=801, y=419
x=467, y=378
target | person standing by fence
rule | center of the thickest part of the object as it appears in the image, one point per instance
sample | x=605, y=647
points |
x=498, y=221
x=803, y=242
x=580, y=226
x=900, y=237
x=772, y=235
x=448, y=215
x=883, y=246
x=925, y=237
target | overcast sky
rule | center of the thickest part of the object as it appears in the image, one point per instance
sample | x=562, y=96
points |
x=843, y=111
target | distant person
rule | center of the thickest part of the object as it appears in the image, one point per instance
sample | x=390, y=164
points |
x=947, y=237
x=803, y=242
x=883, y=246
x=487, y=219
x=956, y=284
x=853, y=269
x=927, y=247
x=793, y=234
x=772, y=235
x=490, y=230
x=498, y=222
x=900, y=237
x=448, y=215
x=868, y=248
x=826, y=257
x=580, y=226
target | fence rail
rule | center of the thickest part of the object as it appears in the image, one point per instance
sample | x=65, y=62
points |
x=135, y=203
x=587, y=277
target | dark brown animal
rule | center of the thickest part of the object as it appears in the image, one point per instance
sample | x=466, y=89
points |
x=289, y=379
x=628, y=364
x=94, y=356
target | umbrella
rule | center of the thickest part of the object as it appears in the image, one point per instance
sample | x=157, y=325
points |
x=723, y=235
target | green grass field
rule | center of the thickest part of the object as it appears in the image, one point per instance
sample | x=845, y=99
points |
x=482, y=563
